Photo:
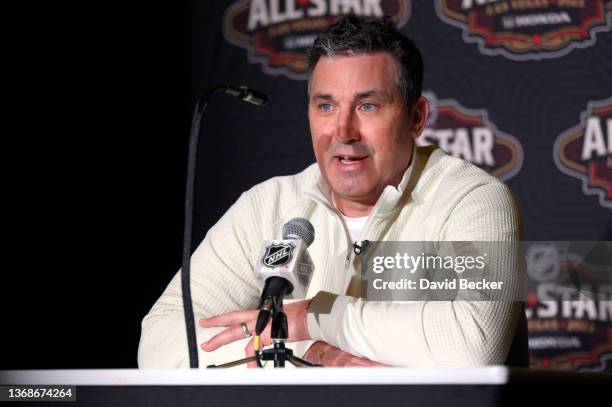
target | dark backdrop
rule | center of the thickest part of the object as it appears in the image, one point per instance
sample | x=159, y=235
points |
x=98, y=125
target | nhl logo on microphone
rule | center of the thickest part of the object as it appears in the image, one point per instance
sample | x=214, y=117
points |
x=278, y=254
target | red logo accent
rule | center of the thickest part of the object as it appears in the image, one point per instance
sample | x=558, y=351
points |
x=532, y=299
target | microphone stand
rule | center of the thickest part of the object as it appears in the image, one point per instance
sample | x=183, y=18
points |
x=279, y=354
x=246, y=95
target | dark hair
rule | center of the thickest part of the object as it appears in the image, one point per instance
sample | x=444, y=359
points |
x=352, y=35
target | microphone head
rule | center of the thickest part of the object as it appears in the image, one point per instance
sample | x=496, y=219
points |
x=253, y=97
x=299, y=228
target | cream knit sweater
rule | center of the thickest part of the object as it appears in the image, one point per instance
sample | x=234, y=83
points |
x=440, y=198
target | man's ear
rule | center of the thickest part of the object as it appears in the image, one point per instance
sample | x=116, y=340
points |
x=420, y=116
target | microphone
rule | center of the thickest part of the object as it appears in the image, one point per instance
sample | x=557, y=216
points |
x=246, y=94
x=285, y=268
x=360, y=246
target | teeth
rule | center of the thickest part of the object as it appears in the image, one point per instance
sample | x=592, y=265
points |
x=348, y=160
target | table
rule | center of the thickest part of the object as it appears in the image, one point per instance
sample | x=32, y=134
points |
x=456, y=387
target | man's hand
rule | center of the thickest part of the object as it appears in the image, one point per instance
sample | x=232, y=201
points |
x=327, y=355
x=296, y=319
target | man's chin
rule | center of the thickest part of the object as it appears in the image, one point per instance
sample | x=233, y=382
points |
x=348, y=192
x=357, y=195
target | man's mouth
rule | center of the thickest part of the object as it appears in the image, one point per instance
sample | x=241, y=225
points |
x=350, y=159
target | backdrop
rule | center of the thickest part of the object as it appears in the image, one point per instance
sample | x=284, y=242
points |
x=521, y=88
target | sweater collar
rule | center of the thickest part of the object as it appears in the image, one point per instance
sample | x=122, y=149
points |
x=320, y=191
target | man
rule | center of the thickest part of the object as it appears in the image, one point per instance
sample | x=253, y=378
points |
x=370, y=183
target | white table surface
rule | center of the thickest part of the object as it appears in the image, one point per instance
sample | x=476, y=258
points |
x=491, y=375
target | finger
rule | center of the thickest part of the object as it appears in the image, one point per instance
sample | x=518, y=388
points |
x=231, y=334
x=249, y=350
x=234, y=317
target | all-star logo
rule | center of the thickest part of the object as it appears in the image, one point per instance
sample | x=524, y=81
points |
x=585, y=151
x=276, y=33
x=568, y=305
x=278, y=255
x=528, y=29
x=469, y=134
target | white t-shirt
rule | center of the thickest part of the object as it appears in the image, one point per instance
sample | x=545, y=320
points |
x=355, y=226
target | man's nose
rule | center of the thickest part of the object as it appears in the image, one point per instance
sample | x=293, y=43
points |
x=347, y=128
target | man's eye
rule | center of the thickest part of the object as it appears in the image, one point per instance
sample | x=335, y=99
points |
x=325, y=107
x=368, y=107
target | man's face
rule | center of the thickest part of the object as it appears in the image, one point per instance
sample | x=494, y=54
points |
x=361, y=132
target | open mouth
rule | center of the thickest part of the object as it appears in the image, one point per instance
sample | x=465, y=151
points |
x=350, y=159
